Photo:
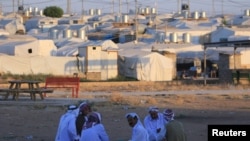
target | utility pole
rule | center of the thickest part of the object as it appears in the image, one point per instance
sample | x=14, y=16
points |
x=155, y=17
x=213, y=8
x=136, y=24
x=82, y=11
x=222, y=7
x=127, y=6
x=13, y=6
x=120, y=15
x=113, y=11
x=69, y=6
x=178, y=6
x=1, y=9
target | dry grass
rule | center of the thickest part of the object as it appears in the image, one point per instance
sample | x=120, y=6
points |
x=188, y=100
x=120, y=99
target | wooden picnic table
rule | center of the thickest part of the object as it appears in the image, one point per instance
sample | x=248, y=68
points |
x=18, y=86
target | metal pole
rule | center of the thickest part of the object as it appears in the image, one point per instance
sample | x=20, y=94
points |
x=120, y=15
x=127, y=6
x=178, y=6
x=205, y=66
x=234, y=58
x=82, y=11
x=222, y=7
x=113, y=10
x=13, y=5
x=69, y=6
x=156, y=16
x=213, y=9
x=136, y=24
x=235, y=65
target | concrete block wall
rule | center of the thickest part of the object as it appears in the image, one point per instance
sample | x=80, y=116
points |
x=226, y=66
x=93, y=75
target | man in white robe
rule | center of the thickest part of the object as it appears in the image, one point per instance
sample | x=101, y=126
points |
x=139, y=133
x=62, y=131
x=93, y=129
x=155, y=123
x=75, y=124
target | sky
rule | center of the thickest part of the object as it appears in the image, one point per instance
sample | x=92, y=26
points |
x=211, y=7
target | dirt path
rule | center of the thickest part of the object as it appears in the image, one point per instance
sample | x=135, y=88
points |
x=26, y=120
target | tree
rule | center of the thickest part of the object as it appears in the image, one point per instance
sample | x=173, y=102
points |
x=53, y=11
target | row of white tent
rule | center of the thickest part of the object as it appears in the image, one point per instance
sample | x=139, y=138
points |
x=27, y=55
x=34, y=54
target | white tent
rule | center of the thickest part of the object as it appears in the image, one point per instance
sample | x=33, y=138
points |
x=147, y=66
x=12, y=26
x=69, y=47
x=245, y=62
x=36, y=48
x=32, y=48
x=40, y=65
x=24, y=45
x=225, y=33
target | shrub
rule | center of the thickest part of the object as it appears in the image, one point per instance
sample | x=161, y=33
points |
x=53, y=11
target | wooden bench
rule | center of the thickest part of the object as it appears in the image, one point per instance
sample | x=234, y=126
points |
x=64, y=82
x=32, y=92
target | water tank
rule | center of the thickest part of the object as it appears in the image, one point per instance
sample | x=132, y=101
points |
x=27, y=13
x=167, y=37
x=41, y=12
x=185, y=14
x=196, y=15
x=186, y=37
x=20, y=8
x=91, y=12
x=247, y=12
x=98, y=11
x=81, y=34
x=184, y=7
x=140, y=28
x=142, y=10
x=117, y=18
x=160, y=37
x=173, y=37
x=67, y=33
x=153, y=10
x=30, y=9
x=125, y=18
x=147, y=10
x=35, y=12
x=203, y=14
x=53, y=34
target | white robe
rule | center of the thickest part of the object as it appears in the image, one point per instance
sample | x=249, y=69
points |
x=62, y=131
x=72, y=129
x=152, y=125
x=94, y=133
x=139, y=133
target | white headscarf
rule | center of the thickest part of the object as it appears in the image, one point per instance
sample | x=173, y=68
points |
x=71, y=108
x=91, y=122
x=134, y=115
x=153, y=109
x=168, y=114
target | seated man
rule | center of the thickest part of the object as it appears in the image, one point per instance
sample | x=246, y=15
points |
x=155, y=123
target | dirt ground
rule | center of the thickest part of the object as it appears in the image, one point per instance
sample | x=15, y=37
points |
x=26, y=120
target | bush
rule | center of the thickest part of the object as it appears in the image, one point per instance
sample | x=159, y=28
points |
x=53, y=11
